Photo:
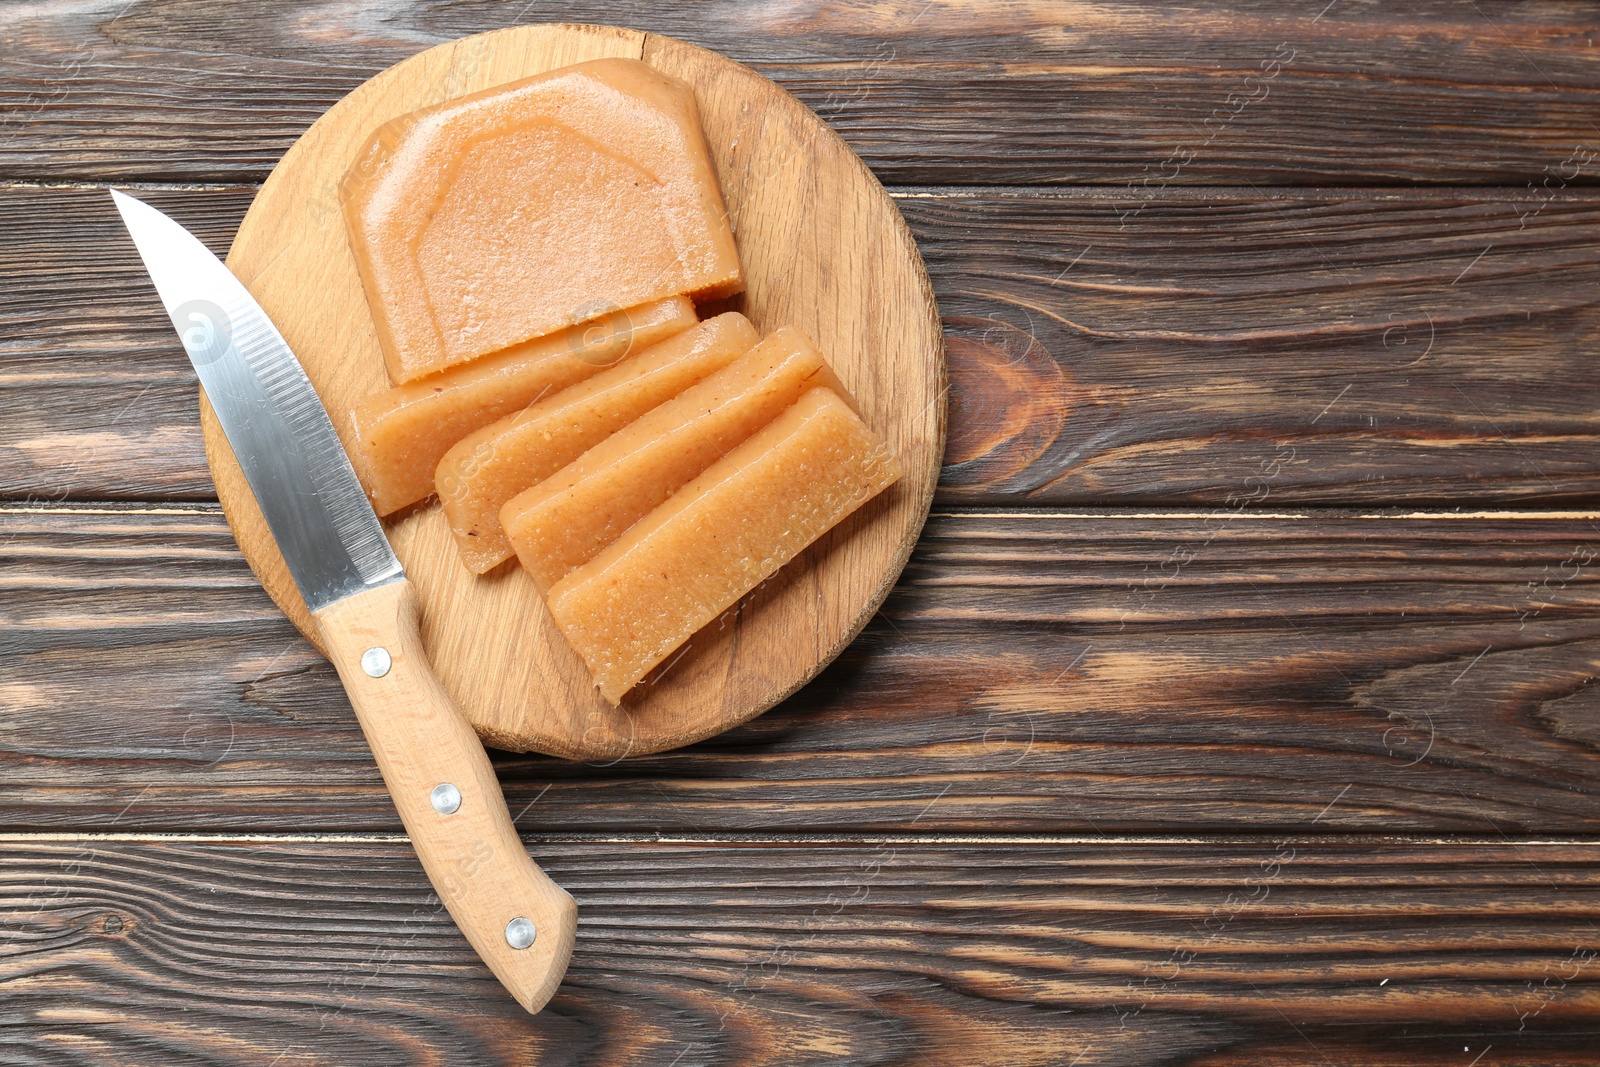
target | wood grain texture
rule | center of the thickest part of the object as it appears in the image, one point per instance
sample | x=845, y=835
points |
x=75, y=310
x=1200, y=92
x=1239, y=667
x=1100, y=951
x=823, y=249
x=1034, y=672
x=1205, y=346
x=1174, y=346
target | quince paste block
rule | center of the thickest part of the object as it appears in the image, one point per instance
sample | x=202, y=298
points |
x=402, y=433
x=487, y=468
x=566, y=520
x=495, y=218
x=719, y=537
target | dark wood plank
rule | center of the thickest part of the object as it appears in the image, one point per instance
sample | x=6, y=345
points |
x=100, y=401
x=1212, y=346
x=1183, y=346
x=1034, y=671
x=1198, y=92
x=1271, y=951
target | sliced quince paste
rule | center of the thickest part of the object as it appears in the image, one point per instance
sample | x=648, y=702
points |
x=487, y=468
x=402, y=433
x=486, y=221
x=565, y=520
x=719, y=537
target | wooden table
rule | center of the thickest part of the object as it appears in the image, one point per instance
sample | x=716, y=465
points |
x=1235, y=708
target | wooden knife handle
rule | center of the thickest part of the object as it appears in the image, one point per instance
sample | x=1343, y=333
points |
x=423, y=746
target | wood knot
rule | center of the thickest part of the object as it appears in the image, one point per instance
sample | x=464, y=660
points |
x=1010, y=398
x=115, y=925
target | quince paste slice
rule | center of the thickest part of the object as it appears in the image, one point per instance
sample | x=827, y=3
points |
x=487, y=468
x=502, y=216
x=402, y=433
x=565, y=520
x=719, y=537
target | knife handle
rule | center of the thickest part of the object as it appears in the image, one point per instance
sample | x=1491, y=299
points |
x=464, y=837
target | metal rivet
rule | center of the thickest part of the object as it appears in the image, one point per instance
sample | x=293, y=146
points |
x=445, y=798
x=376, y=662
x=520, y=933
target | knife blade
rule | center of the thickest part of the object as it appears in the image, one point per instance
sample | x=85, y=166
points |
x=520, y=922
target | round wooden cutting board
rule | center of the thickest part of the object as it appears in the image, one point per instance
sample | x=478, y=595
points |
x=823, y=248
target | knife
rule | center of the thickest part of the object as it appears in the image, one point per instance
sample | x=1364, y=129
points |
x=520, y=922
